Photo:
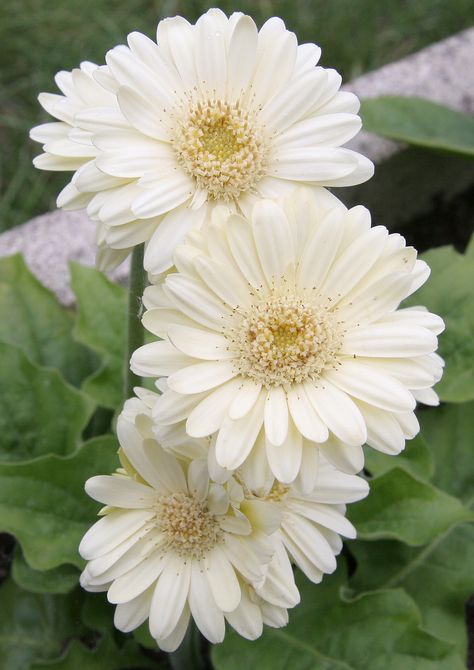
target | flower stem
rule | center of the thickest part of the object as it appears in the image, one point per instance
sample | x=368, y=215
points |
x=135, y=329
x=189, y=655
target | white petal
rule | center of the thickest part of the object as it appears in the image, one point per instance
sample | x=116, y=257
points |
x=120, y=492
x=427, y=397
x=157, y=359
x=199, y=343
x=222, y=580
x=172, y=407
x=246, y=619
x=276, y=416
x=338, y=412
x=130, y=615
x=208, y=617
x=328, y=130
x=138, y=579
x=192, y=298
x=171, y=232
x=236, y=438
x=245, y=398
x=305, y=417
x=111, y=530
x=276, y=58
x=177, y=36
x=201, y=376
x=198, y=479
x=311, y=542
x=207, y=416
x=321, y=249
x=371, y=386
x=319, y=165
x=390, y=339
x=242, y=245
x=227, y=283
x=273, y=239
x=170, y=471
x=241, y=56
x=346, y=271
x=169, y=190
x=346, y=458
x=383, y=430
x=211, y=60
x=169, y=597
x=285, y=460
x=172, y=642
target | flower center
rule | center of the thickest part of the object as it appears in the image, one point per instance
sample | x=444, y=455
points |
x=190, y=529
x=278, y=492
x=285, y=340
x=220, y=146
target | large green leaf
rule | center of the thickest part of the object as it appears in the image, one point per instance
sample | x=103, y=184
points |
x=107, y=656
x=449, y=292
x=101, y=325
x=35, y=627
x=58, y=580
x=376, y=631
x=42, y=502
x=31, y=318
x=39, y=413
x=419, y=122
x=439, y=577
x=404, y=508
x=449, y=432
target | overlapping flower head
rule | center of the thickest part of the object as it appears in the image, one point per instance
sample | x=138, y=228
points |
x=173, y=543
x=213, y=113
x=282, y=346
x=281, y=335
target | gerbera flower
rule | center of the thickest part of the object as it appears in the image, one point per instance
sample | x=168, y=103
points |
x=288, y=324
x=171, y=543
x=215, y=113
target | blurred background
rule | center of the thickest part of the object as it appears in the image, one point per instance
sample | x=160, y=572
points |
x=40, y=37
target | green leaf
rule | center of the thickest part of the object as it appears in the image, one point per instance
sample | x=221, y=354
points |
x=107, y=656
x=39, y=413
x=31, y=318
x=404, y=508
x=449, y=292
x=34, y=627
x=58, y=580
x=439, y=577
x=101, y=325
x=416, y=459
x=376, y=631
x=419, y=122
x=42, y=502
x=448, y=431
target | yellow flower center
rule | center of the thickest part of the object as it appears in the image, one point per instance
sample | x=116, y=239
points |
x=190, y=529
x=286, y=340
x=221, y=147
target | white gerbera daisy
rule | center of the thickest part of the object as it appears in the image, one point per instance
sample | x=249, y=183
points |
x=289, y=325
x=171, y=543
x=216, y=112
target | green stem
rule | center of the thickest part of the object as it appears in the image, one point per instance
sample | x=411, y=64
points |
x=135, y=329
x=188, y=656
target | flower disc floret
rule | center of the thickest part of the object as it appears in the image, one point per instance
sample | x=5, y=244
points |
x=191, y=530
x=221, y=146
x=286, y=340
